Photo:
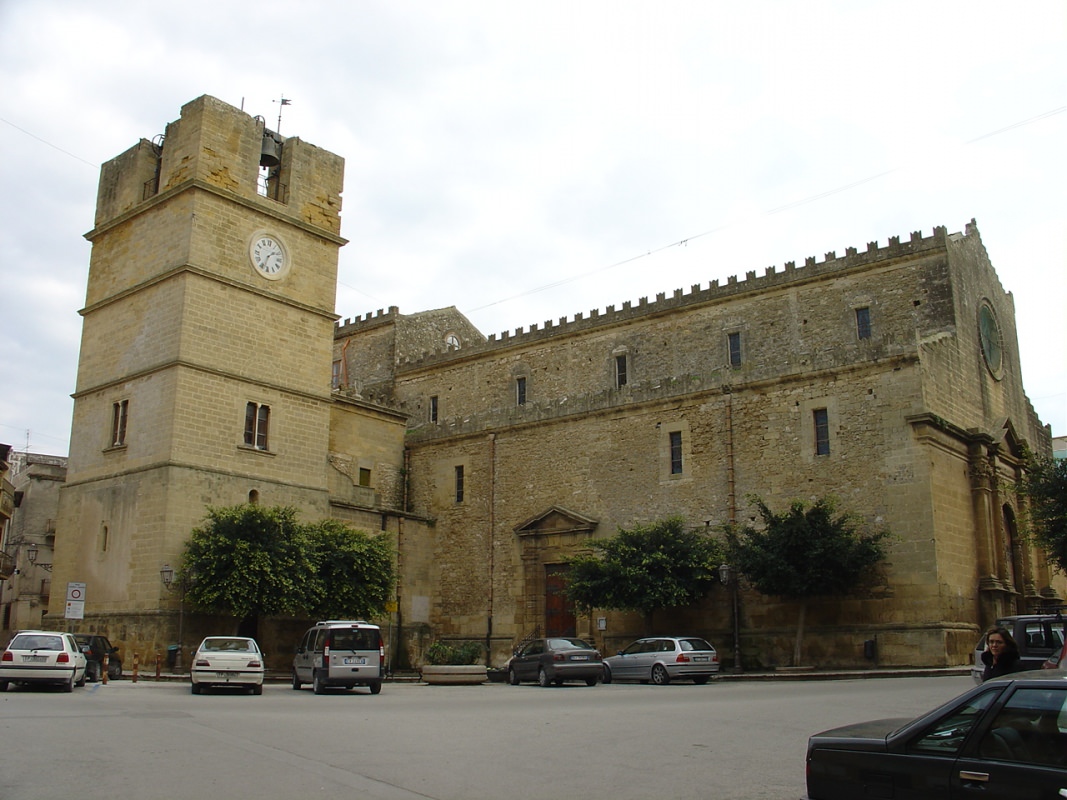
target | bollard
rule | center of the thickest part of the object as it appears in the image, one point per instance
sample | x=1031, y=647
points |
x=159, y=659
x=103, y=669
x=136, y=664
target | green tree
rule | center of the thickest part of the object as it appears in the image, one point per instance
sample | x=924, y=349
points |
x=661, y=565
x=1045, y=485
x=804, y=552
x=354, y=572
x=249, y=561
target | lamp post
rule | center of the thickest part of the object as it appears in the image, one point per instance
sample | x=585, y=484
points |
x=166, y=573
x=728, y=578
x=32, y=552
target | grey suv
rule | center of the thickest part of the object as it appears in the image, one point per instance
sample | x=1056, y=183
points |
x=341, y=653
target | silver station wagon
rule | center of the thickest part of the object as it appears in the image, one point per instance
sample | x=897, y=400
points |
x=662, y=659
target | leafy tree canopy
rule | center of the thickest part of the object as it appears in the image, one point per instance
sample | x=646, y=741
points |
x=661, y=565
x=805, y=551
x=248, y=560
x=1046, y=486
x=354, y=571
x=252, y=561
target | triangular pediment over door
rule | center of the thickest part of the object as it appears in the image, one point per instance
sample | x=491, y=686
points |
x=547, y=540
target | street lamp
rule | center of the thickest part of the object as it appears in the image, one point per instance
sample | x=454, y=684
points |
x=166, y=574
x=32, y=552
x=728, y=578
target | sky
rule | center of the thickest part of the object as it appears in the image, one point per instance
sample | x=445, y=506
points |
x=529, y=161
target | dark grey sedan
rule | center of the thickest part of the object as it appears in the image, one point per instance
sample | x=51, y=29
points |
x=555, y=660
x=1003, y=740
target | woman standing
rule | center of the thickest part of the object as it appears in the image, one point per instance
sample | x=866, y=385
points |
x=1001, y=656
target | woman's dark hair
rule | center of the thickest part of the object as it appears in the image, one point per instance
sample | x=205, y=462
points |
x=1010, y=645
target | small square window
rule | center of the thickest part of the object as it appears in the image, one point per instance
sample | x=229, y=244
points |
x=364, y=476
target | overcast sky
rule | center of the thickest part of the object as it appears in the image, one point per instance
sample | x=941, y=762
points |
x=527, y=161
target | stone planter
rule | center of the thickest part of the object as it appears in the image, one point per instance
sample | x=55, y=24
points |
x=454, y=674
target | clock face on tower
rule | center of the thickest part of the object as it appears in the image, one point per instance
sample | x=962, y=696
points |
x=269, y=256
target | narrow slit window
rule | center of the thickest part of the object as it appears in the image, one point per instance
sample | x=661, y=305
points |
x=733, y=340
x=620, y=371
x=433, y=409
x=459, y=483
x=257, y=425
x=822, y=432
x=520, y=391
x=119, y=415
x=676, y=452
x=863, y=323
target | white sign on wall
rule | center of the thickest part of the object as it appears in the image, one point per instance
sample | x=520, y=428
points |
x=75, y=601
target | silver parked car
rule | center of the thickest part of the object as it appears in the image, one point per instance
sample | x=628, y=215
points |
x=342, y=653
x=43, y=657
x=661, y=659
x=555, y=660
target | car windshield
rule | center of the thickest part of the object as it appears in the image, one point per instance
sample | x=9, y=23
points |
x=567, y=644
x=694, y=644
x=359, y=639
x=36, y=641
x=229, y=645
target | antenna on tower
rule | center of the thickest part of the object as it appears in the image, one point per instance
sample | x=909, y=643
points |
x=285, y=101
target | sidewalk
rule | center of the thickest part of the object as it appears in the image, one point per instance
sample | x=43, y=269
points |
x=784, y=674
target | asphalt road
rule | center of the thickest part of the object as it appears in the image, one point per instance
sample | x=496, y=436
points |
x=737, y=739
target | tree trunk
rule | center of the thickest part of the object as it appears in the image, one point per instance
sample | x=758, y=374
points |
x=800, y=632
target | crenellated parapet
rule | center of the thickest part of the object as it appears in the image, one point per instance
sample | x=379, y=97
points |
x=360, y=323
x=772, y=278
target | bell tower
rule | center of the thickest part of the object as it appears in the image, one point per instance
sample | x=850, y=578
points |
x=206, y=353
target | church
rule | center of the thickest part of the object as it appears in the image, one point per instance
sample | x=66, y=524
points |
x=214, y=371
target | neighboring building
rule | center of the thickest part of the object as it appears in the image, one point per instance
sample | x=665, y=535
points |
x=7, y=508
x=212, y=373
x=31, y=534
x=1059, y=446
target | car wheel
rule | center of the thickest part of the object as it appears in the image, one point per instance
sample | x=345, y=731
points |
x=542, y=677
x=194, y=688
x=700, y=680
x=375, y=687
x=81, y=682
x=257, y=689
x=3, y=686
x=114, y=670
x=513, y=679
x=659, y=675
x=607, y=674
x=296, y=681
x=590, y=681
x=91, y=673
x=69, y=685
x=317, y=685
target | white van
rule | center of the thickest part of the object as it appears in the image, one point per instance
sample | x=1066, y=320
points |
x=338, y=652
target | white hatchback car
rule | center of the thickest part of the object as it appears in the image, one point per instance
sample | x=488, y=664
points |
x=43, y=657
x=228, y=661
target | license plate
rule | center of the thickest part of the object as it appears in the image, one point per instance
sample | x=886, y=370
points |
x=225, y=675
x=34, y=659
x=579, y=658
x=355, y=661
x=700, y=658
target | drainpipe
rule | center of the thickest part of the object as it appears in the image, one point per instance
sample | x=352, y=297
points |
x=492, y=525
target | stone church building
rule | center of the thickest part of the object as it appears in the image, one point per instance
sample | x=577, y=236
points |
x=214, y=371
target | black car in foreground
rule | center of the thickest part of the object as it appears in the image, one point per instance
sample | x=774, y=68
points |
x=1004, y=739
x=95, y=648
